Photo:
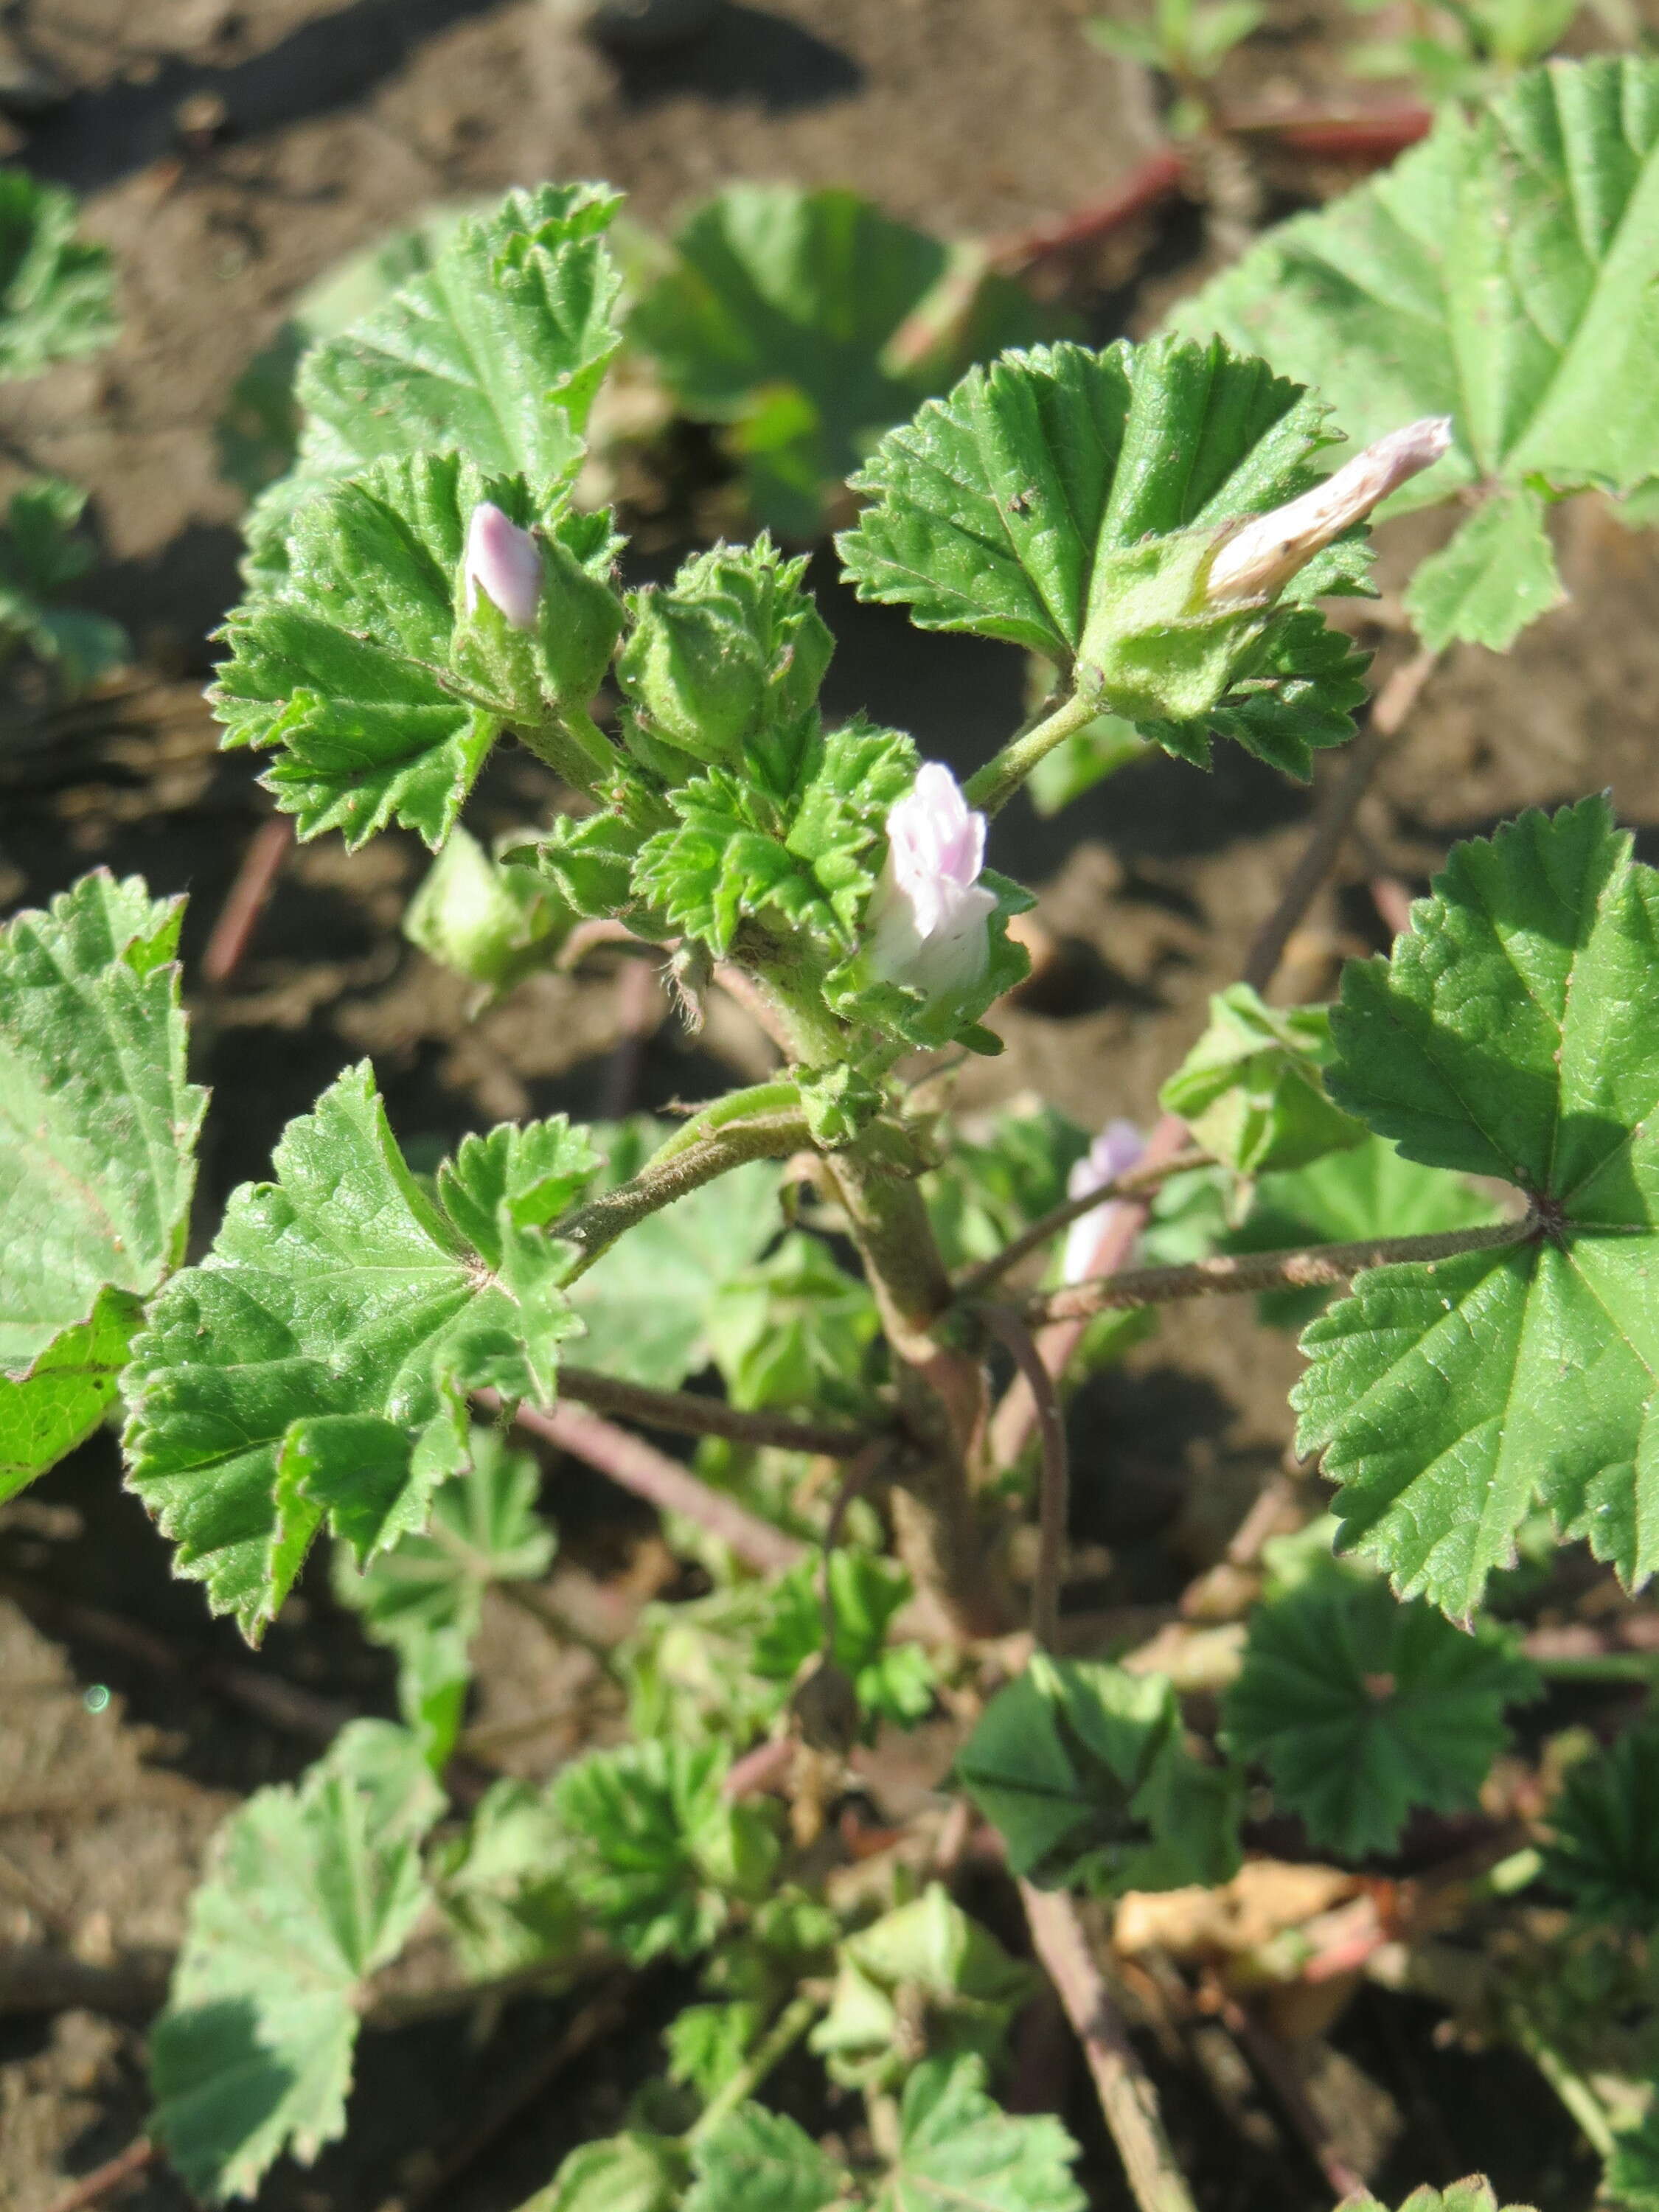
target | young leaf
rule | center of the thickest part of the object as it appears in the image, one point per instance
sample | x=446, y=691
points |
x=759, y=2161
x=1474, y=2195
x=1511, y=1035
x=98, y=1131
x=1371, y=1189
x=1362, y=1708
x=1251, y=1088
x=316, y=1366
x=1631, y=2174
x=1604, y=1851
x=1502, y=273
x=808, y=323
x=358, y=672
x=924, y=1970
x=657, y=1852
x=308, y=1890
x=707, y=2044
x=494, y=352
x=960, y=2152
x=424, y=1597
x=993, y=1180
x=1083, y=1770
x=893, y=1682
x=56, y=290
x=793, y=1329
x=1072, y=503
x=502, y=1886
x=646, y=1303
x=631, y=2173
x=39, y=553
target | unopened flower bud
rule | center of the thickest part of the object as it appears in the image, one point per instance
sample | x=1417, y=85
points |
x=1261, y=558
x=929, y=913
x=1112, y=1154
x=505, y=564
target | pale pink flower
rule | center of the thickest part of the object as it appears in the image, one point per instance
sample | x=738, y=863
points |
x=928, y=915
x=1263, y=557
x=1113, y=1153
x=505, y=564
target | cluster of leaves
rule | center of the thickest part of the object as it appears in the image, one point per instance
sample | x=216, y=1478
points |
x=56, y=295
x=1458, y=49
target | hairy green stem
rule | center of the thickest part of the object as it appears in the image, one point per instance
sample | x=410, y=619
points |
x=597, y=1225
x=941, y=1394
x=992, y=786
x=1317, y=1266
x=771, y=1097
x=574, y=747
x=785, y=2032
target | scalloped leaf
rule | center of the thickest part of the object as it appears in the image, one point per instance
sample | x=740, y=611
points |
x=56, y=290
x=1362, y=1708
x=1514, y=1033
x=495, y=351
x=1071, y=503
x=1604, y=1846
x=39, y=553
x=1083, y=1771
x=1503, y=273
x=960, y=2152
x=315, y=1367
x=98, y=1128
x=359, y=673
x=1252, y=1088
x=308, y=1890
x=808, y=323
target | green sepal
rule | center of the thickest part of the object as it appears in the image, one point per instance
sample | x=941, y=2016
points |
x=724, y=665
x=560, y=664
x=950, y=1016
x=493, y=923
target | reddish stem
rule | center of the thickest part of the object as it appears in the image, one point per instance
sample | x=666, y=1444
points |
x=1159, y=178
x=246, y=901
x=115, y=2174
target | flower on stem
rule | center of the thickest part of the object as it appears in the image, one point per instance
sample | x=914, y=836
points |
x=1262, y=557
x=929, y=913
x=505, y=564
x=1113, y=1153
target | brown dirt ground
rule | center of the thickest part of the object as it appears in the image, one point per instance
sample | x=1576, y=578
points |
x=341, y=121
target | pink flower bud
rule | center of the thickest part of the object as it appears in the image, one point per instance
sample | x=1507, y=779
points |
x=1113, y=1153
x=928, y=915
x=1262, y=557
x=505, y=564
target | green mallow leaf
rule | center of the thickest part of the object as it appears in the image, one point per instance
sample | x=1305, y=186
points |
x=424, y=1597
x=1474, y=2195
x=960, y=2152
x=893, y=1682
x=308, y=1890
x=808, y=323
x=707, y=2044
x=1252, y=1091
x=1362, y=1709
x=645, y=1303
x=315, y=1367
x=56, y=290
x=755, y=2160
x=1503, y=273
x=996, y=1178
x=630, y=2173
x=1083, y=1770
x=793, y=1329
x=804, y=864
x=724, y=665
x=97, y=1129
x=493, y=923
x=1515, y=1033
x=380, y=695
x=494, y=352
x=1631, y=2177
x=1371, y=1189
x=1604, y=1847
x=39, y=553
x=502, y=1887
x=1072, y=502
x=924, y=1977
x=658, y=1854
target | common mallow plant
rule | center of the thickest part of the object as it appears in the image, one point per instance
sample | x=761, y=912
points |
x=1449, y=1178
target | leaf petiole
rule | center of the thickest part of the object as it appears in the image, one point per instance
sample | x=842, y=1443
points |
x=992, y=786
